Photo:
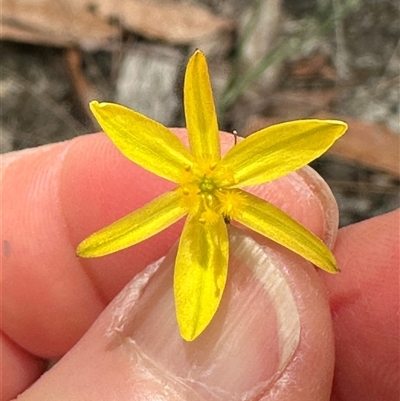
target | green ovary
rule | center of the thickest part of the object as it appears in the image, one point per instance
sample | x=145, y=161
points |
x=207, y=185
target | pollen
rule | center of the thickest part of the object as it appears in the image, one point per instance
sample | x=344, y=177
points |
x=232, y=203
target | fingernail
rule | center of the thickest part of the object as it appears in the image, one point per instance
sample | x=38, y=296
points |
x=247, y=346
x=327, y=203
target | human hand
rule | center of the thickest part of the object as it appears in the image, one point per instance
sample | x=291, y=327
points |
x=58, y=194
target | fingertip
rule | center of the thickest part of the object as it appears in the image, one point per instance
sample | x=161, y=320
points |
x=364, y=301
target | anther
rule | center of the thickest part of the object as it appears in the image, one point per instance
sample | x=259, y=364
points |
x=188, y=167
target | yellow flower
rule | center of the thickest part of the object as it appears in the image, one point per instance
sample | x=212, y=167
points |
x=208, y=192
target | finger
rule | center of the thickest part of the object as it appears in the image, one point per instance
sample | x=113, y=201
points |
x=271, y=339
x=59, y=194
x=43, y=285
x=365, y=305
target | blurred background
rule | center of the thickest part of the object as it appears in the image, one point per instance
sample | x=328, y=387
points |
x=269, y=60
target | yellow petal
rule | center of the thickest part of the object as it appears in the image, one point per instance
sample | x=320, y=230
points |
x=201, y=118
x=135, y=227
x=200, y=274
x=280, y=149
x=273, y=223
x=142, y=140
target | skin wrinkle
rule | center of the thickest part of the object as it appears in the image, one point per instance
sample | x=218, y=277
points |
x=153, y=372
x=8, y=159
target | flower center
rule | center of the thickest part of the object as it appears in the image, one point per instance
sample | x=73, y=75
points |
x=207, y=185
x=204, y=193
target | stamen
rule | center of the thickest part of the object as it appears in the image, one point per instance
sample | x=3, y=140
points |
x=235, y=134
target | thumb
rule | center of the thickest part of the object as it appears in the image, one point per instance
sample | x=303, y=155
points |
x=271, y=338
